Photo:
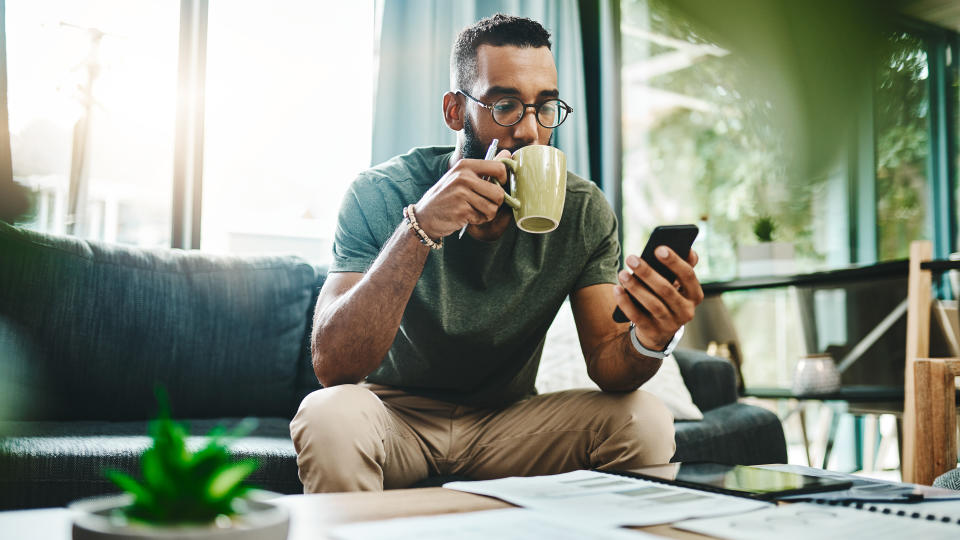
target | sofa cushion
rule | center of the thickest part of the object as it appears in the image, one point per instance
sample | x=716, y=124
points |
x=53, y=463
x=562, y=367
x=712, y=381
x=736, y=434
x=108, y=322
x=668, y=385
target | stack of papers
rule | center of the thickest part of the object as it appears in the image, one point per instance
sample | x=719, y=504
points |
x=591, y=504
x=574, y=505
x=609, y=500
x=802, y=520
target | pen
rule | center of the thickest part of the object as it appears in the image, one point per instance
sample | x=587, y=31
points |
x=491, y=151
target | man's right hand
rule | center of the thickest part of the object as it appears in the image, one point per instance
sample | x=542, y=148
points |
x=462, y=196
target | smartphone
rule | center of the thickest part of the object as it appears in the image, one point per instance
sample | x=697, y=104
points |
x=679, y=238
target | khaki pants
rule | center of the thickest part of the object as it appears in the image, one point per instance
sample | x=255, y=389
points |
x=371, y=437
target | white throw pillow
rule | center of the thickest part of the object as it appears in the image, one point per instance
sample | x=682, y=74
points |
x=667, y=384
x=563, y=368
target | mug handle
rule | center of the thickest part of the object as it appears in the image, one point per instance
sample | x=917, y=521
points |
x=512, y=167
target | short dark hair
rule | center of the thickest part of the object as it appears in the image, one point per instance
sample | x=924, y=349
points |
x=498, y=30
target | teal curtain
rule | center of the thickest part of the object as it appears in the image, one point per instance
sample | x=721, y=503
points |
x=414, y=72
x=602, y=59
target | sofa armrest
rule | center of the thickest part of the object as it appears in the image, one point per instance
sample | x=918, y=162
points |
x=711, y=381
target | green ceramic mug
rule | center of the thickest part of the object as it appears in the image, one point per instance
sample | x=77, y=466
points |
x=539, y=186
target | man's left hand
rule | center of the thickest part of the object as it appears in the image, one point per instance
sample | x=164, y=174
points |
x=669, y=305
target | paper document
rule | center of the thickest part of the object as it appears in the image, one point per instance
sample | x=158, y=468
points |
x=802, y=521
x=608, y=500
x=506, y=524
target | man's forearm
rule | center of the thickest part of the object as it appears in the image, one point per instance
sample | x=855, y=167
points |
x=616, y=366
x=352, y=334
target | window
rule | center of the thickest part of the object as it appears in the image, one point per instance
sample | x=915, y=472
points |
x=91, y=89
x=289, y=99
x=701, y=147
x=287, y=125
x=697, y=150
x=903, y=145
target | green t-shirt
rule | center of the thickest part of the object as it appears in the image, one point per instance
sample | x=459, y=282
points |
x=474, y=328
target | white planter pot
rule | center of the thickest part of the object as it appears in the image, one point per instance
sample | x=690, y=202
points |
x=765, y=259
x=264, y=521
x=815, y=374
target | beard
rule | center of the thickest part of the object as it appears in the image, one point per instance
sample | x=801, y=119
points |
x=474, y=148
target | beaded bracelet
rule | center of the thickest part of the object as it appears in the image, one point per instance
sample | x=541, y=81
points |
x=415, y=227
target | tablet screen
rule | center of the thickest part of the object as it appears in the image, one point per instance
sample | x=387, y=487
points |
x=753, y=479
x=742, y=480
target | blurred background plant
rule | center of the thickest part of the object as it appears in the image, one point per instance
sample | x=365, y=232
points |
x=763, y=228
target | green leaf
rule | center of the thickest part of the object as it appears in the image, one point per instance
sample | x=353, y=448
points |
x=244, y=428
x=216, y=433
x=126, y=482
x=163, y=402
x=228, y=477
x=155, y=475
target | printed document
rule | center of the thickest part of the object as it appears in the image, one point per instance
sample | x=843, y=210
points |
x=801, y=521
x=609, y=500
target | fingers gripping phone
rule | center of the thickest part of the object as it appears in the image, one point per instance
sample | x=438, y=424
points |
x=679, y=238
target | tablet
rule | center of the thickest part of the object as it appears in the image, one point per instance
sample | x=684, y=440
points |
x=738, y=480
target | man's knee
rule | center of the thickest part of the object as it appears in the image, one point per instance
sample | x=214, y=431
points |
x=336, y=412
x=338, y=435
x=644, y=423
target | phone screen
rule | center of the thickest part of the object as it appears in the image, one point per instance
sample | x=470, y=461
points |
x=679, y=238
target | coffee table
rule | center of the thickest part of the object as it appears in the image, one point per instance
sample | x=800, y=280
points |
x=312, y=516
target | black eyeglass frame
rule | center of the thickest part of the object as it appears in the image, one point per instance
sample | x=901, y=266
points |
x=536, y=108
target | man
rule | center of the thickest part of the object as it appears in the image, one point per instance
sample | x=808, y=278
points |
x=428, y=356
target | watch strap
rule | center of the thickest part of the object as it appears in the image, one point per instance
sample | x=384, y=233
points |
x=655, y=354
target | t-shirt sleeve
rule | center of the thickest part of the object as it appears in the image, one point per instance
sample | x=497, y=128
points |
x=603, y=261
x=355, y=246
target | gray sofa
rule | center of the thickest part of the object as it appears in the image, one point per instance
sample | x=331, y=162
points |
x=87, y=329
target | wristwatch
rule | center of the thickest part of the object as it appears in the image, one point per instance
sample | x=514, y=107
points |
x=655, y=354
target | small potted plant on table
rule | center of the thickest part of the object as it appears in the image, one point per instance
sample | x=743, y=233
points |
x=765, y=257
x=183, y=494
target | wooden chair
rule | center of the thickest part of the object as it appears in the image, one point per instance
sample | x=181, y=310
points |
x=930, y=413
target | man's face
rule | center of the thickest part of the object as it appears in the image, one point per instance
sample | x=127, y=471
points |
x=527, y=73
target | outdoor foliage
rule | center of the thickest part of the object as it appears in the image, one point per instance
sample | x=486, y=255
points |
x=903, y=144
x=727, y=151
x=719, y=157
x=180, y=486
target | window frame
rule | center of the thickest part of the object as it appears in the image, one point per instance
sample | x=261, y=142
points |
x=187, y=197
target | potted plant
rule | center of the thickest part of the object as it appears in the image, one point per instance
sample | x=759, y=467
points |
x=183, y=494
x=766, y=257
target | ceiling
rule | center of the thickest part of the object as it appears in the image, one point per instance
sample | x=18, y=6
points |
x=945, y=13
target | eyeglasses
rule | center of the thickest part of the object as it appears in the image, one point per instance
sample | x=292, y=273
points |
x=507, y=111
